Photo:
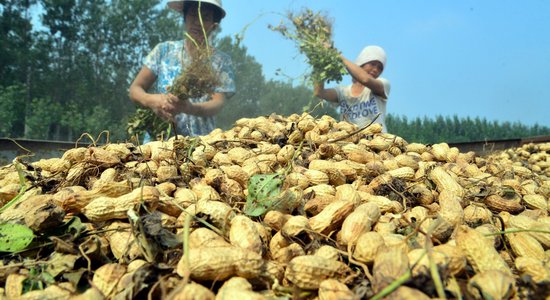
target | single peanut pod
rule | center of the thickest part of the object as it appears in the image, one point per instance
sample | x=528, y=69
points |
x=289, y=200
x=522, y=171
x=327, y=151
x=231, y=189
x=308, y=271
x=107, y=208
x=445, y=182
x=183, y=197
x=347, y=192
x=214, y=177
x=475, y=215
x=237, y=288
x=50, y=292
x=191, y=290
x=358, y=222
x=276, y=219
x=53, y=165
x=533, y=268
x=331, y=217
x=489, y=231
x=499, y=203
x=380, y=143
x=538, y=229
x=316, y=177
x=236, y=173
x=267, y=162
x=421, y=262
x=75, y=155
x=387, y=224
x=402, y=173
x=122, y=241
x=422, y=194
x=321, y=189
x=405, y=292
x=481, y=255
x=316, y=204
x=162, y=151
x=536, y=202
x=204, y=237
x=390, y=263
x=408, y=160
x=14, y=285
x=332, y=289
x=218, y=213
x=107, y=277
x=385, y=204
x=525, y=245
x=244, y=234
x=165, y=173
x=286, y=254
x=416, y=148
x=222, y=159
x=296, y=227
x=440, y=151
x=198, y=157
x=367, y=247
x=296, y=179
x=358, y=153
x=285, y=154
x=329, y=252
x=327, y=166
x=457, y=261
x=451, y=214
x=278, y=242
x=204, y=191
x=492, y=284
x=220, y=263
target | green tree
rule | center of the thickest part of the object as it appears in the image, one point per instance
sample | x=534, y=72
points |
x=12, y=110
x=249, y=82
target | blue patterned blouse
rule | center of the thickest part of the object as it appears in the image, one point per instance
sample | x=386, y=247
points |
x=165, y=61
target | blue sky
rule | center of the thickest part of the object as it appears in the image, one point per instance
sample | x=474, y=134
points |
x=487, y=59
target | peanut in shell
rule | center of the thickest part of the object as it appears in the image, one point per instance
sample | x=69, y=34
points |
x=220, y=263
x=358, y=222
x=244, y=234
x=481, y=255
x=492, y=284
x=308, y=271
x=331, y=217
x=332, y=289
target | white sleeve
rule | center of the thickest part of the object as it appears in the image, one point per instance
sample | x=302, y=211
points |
x=340, y=92
x=387, y=86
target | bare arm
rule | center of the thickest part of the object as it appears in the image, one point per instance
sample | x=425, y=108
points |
x=364, y=78
x=327, y=94
x=204, y=109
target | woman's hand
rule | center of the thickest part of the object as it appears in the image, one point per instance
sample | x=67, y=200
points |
x=165, y=106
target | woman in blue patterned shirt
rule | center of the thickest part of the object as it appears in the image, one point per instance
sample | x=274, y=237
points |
x=167, y=60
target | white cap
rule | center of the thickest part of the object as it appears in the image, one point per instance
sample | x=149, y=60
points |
x=371, y=53
x=178, y=5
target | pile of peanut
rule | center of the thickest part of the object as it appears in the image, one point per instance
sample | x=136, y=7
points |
x=360, y=214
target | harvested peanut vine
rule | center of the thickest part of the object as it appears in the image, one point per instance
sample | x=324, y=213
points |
x=312, y=31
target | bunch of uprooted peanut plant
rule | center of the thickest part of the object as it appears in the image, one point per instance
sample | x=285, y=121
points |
x=198, y=78
x=312, y=32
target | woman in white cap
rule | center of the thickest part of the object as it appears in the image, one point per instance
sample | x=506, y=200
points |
x=167, y=60
x=366, y=97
